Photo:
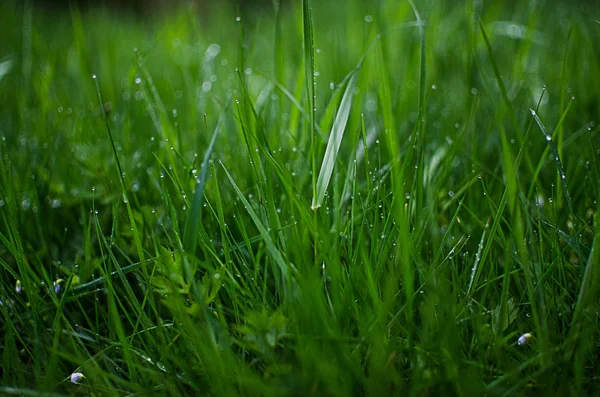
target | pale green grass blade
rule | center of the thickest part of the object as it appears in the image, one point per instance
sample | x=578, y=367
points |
x=5, y=67
x=334, y=143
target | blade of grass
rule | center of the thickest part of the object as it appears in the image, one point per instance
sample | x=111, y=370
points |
x=190, y=234
x=310, y=83
x=335, y=140
x=561, y=171
x=136, y=234
x=285, y=267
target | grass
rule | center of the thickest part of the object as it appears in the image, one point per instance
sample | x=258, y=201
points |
x=385, y=198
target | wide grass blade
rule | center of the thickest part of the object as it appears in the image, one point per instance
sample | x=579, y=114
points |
x=335, y=140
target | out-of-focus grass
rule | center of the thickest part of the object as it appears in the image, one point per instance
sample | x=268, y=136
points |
x=441, y=242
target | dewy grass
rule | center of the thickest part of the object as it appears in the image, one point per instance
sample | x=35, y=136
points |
x=163, y=237
x=335, y=140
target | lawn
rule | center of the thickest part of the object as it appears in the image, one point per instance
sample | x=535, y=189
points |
x=331, y=199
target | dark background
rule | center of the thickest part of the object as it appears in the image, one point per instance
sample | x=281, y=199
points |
x=144, y=7
x=156, y=7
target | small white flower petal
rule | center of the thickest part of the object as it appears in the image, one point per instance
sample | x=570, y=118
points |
x=524, y=339
x=76, y=377
x=57, y=285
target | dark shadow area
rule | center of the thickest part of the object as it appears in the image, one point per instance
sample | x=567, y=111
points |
x=153, y=7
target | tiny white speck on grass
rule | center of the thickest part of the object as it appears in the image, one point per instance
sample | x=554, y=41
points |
x=523, y=339
x=76, y=377
x=18, y=287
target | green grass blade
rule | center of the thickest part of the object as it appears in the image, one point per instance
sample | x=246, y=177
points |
x=559, y=166
x=285, y=267
x=310, y=83
x=136, y=234
x=333, y=145
x=190, y=234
